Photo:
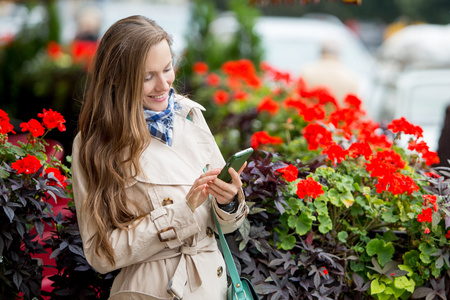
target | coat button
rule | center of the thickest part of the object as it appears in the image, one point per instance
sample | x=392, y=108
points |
x=209, y=232
x=167, y=201
x=219, y=271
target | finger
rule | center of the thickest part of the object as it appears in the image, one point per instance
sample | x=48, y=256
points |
x=242, y=168
x=236, y=177
x=220, y=198
x=204, y=180
x=215, y=171
x=222, y=195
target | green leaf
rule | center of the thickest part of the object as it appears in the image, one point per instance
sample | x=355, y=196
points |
x=411, y=258
x=342, y=236
x=436, y=218
x=292, y=221
x=425, y=252
x=287, y=242
x=389, y=217
x=347, y=199
x=325, y=224
x=304, y=224
x=404, y=283
x=321, y=207
x=376, y=287
x=294, y=204
x=334, y=197
x=344, y=183
x=4, y=174
x=381, y=249
x=407, y=269
x=356, y=210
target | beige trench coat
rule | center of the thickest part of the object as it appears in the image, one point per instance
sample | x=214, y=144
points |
x=171, y=247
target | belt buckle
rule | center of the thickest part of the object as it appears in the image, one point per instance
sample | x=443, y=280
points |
x=162, y=240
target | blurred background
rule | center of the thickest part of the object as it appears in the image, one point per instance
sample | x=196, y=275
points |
x=394, y=54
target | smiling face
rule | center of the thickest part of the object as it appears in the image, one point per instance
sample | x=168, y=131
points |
x=159, y=76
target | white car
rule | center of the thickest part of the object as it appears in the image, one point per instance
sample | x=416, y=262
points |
x=421, y=96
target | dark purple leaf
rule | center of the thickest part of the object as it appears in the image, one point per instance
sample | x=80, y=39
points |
x=9, y=213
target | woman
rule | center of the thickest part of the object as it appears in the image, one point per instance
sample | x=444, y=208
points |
x=144, y=174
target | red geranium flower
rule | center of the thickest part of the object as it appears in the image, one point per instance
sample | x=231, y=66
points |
x=420, y=147
x=28, y=165
x=431, y=198
x=212, y=79
x=268, y=104
x=309, y=187
x=263, y=138
x=312, y=113
x=34, y=127
x=5, y=125
x=353, y=101
x=240, y=95
x=294, y=103
x=52, y=119
x=242, y=69
x=335, y=153
x=425, y=216
x=220, y=97
x=447, y=235
x=431, y=174
x=200, y=68
x=384, y=163
x=360, y=149
x=317, y=136
x=290, y=173
x=430, y=158
x=402, y=125
x=54, y=50
x=427, y=230
x=57, y=173
x=83, y=51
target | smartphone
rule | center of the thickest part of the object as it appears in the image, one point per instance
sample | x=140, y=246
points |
x=236, y=161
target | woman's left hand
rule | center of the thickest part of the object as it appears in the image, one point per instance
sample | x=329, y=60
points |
x=225, y=192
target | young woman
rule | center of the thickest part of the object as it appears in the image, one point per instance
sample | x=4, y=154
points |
x=145, y=168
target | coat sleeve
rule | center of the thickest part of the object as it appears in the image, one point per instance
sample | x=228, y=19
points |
x=228, y=222
x=162, y=228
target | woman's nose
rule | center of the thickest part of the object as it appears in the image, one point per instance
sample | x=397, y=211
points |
x=162, y=83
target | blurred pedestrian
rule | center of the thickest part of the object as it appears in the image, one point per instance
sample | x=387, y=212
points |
x=88, y=24
x=145, y=168
x=330, y=72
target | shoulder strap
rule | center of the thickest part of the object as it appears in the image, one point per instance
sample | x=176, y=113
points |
x=237, y=284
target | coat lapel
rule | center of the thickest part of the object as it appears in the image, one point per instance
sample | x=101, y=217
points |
x=182, y=163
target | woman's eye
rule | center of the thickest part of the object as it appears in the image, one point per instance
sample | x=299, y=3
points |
x=147, y=78
x=168, y=69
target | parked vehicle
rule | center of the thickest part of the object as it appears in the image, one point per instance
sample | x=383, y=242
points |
x=292, y=43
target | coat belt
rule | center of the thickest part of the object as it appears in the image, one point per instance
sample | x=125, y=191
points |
x=186, y=272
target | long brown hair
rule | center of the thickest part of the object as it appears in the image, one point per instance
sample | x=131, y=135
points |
x=112, y=125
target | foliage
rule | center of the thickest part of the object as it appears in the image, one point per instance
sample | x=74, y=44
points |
x=29, y=182
x=75, y=279
x=358, y=215
x=38, y=72
x=205, y=45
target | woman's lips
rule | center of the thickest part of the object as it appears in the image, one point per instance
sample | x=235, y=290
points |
x=159, y=98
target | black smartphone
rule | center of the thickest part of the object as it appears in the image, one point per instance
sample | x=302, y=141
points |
x=236, y=161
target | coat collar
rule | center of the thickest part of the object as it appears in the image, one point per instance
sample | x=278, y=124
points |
x=181, y=164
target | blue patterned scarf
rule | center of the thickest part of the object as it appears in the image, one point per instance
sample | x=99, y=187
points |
x=160, y=124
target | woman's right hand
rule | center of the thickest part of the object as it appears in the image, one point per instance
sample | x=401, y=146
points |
x=198, y=193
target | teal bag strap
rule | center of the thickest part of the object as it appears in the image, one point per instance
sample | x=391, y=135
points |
x=237, y=283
